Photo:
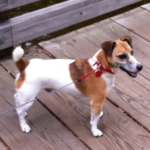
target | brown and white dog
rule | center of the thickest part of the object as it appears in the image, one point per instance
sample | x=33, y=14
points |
x=37, y=74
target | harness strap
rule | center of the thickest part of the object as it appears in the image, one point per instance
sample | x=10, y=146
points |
x=99, y=68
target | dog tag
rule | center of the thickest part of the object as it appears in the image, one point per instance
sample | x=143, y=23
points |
x=98, y=73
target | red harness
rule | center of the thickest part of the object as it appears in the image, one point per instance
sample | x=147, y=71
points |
x=98, y=71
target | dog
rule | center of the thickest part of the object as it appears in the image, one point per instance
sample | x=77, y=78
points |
x=37, y=74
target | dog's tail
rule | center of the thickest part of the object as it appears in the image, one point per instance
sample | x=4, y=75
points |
x=17, y=57
x=17, y=53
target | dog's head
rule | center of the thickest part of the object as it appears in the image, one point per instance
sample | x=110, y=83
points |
x=120, y=54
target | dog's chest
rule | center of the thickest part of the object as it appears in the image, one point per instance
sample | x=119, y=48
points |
x=109, y=79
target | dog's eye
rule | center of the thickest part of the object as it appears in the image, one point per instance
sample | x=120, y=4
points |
x=131, y=52
x=123, y=56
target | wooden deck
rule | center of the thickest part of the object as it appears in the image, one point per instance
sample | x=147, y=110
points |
x=53, y=18
x=60, y=121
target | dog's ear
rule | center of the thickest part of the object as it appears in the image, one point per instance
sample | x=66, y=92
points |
x=128, y=39
x=108, y=47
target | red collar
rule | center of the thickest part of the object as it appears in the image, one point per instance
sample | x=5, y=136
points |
x=97, y=72
x=100, y=67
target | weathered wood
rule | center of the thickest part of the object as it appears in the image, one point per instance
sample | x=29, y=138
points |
x=3, y=5
x=73, y=48
x=8, y=65
x=5, y=29
x=136, y=20
x=75, y=113
x=146, y=6
x=120, y=132
x=107, y=30
x=138, y=105
x=9, y=4
x=2, y=147
x=17, y=3
x=53, y=18
x=47, y=131
x=129, y=95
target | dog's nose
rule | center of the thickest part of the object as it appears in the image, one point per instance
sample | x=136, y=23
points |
x=139, y=67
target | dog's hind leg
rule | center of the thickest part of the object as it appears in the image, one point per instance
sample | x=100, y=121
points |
x=21, y=98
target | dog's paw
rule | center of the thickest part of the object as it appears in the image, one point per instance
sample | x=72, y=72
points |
x=101, y=114
x=25, y=128
x=97, y=133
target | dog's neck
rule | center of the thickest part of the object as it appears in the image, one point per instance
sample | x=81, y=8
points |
x=101, y=57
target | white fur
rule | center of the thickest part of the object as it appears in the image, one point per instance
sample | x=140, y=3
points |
x=42, y=74
x=109, y=79
x=17, y=53
x=131, y=65
x=93, y=60
x=94, y=122
x=51, y=74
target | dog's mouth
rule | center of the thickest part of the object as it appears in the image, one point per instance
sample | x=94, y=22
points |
x=131, y=74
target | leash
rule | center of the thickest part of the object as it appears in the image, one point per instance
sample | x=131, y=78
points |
x=36, y=98
x=98, y=73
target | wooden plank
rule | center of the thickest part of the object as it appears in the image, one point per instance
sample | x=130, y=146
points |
x=53, y=18
x=146, y=6
x=5, y=29
x=47, y=131
x=69, y=48
x=136, y=20
x=17, y=3
x=120, y=132
x=3, y=5
x=2, y=147
x=132, y=96
x=9, y=4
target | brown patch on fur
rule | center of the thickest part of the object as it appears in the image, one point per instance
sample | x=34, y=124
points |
x=121, y=47
x=92, y=86
x=21, y=65
x=108, y=47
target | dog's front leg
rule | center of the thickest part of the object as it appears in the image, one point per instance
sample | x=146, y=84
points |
x=96, y=113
